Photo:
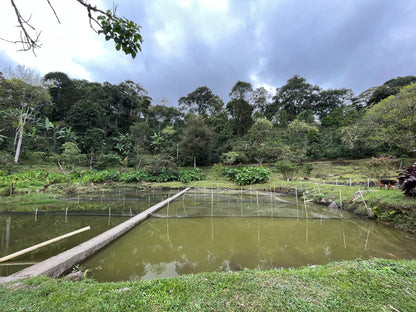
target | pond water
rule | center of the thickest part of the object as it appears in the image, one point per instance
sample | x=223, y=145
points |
x=101, y=212
x=205, y=232
x=200, y=232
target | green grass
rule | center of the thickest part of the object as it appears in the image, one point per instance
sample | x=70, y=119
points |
x=32, y=198
x=370, y=285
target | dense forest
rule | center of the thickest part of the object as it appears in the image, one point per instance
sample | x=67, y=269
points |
x=77, y=122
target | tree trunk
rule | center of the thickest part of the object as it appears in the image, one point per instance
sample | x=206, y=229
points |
x=19, y=145
x=194, y=162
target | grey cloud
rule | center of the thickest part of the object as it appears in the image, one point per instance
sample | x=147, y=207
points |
x=335, y=44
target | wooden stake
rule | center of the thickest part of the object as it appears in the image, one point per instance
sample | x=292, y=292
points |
x=53, y=240
x=370, y=212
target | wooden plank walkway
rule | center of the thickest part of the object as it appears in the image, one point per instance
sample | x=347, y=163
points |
x=59, y=264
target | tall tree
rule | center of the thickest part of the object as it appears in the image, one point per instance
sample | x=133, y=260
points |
x=293, y=98
x=391, y=124
x=160, y=117
x=197, y=140
x=63, y=94
x=386, y=127
x=240, y=109
x=24, y=101
x=241, y=116
x=85, y=115
x=202, y=101
x=390, y=87
x=261, y=98
x=126, y=103
x=241, y=91
x=329, y=100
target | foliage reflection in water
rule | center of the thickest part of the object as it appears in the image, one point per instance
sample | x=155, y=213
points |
x=212, y=232
x=99, y=211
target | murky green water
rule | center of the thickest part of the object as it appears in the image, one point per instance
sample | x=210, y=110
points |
x=100, y=211
x=200, y=232
x=232, y=231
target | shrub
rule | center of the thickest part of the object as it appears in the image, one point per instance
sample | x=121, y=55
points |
x=229, y=158
x=194, y=174
x=230, y=173
x=135, y=176
x=161, y=169
x=287, y=168
x=307, y=169
x=247, y=175
x=95, y=176
x=109, y=160
x=71, y=155
x=252, y=175
x=380, y=167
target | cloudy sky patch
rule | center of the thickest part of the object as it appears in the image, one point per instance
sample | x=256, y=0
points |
x=215, y=43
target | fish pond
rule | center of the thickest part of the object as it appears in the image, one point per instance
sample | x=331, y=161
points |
x=202, y=231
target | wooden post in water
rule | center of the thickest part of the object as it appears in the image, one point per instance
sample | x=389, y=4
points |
x=257, y=199
x=21, y=252
x=304, y=201
x=297, y=202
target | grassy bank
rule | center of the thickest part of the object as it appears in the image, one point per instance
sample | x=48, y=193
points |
x=371, y=285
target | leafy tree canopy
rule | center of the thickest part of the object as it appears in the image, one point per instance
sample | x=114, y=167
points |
x=241, y=91
x=201, y=102
x=390, y=87
x=294, y=97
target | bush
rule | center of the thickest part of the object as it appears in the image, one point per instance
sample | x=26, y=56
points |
x=71, y=155
x=247, y=175
x=95, y=176
x=163, y=175
x=307, y=169
x=287, y=168
x=110, y=160
x=135, y=176
x=194, y=174
x=380, y=167
x=230, y=173
x=161, y=169
x=229, y=158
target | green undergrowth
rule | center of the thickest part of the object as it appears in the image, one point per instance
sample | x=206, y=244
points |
x=392, y=207
x=26, y=199
x=358, y=285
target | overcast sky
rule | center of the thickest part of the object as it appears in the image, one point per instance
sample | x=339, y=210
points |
x=353, y=44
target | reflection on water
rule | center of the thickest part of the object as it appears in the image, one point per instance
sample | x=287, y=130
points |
x=172, y=247
x=200, y=232
x=212, y=232
x=22, y=231
x=101, y=211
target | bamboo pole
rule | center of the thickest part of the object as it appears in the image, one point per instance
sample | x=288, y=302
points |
x=53, y=240
x=370, y=212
